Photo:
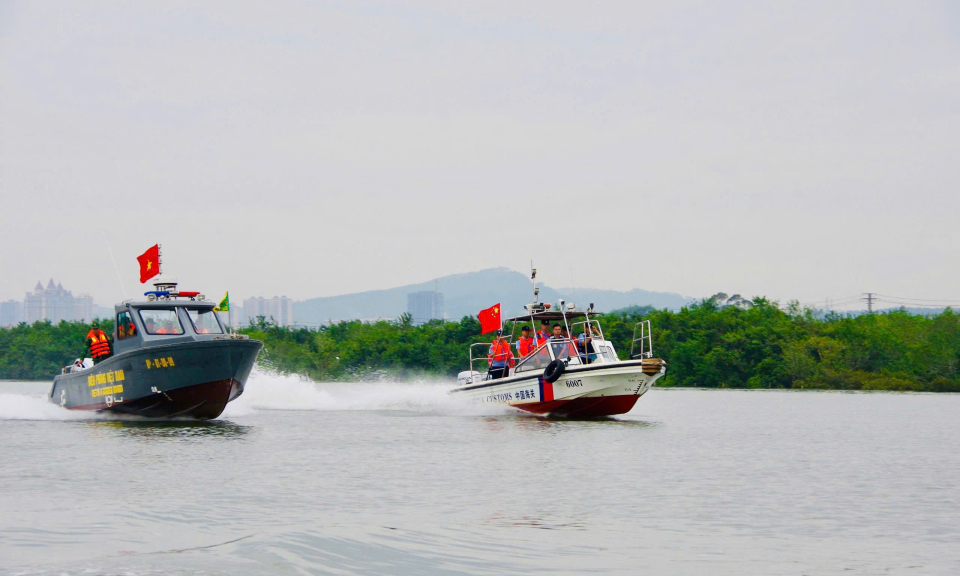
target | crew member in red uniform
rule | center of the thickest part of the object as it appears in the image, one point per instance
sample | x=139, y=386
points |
x=98, y=343
x=526, y=344
x=500, y=358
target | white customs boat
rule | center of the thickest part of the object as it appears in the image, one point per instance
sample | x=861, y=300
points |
x=567, y=374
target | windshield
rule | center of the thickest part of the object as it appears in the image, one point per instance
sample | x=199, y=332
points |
x=161, y=321
x=205, y=321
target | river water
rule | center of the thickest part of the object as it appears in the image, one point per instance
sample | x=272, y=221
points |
x=301, y=478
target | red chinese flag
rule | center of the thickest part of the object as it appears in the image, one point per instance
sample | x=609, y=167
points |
x=149, y=263
x=489, y=319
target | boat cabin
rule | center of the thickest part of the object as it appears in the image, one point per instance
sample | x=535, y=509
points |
x=572, y=350
x=168, y=316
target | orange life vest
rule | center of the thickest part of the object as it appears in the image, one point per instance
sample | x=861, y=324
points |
x=541, y=338
x=500, y=353
x=527, y=345
x=99, y=345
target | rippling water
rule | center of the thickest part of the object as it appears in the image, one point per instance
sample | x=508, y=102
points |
x=297, y=478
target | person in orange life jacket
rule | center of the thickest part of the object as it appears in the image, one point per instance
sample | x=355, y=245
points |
x=98, y=343
x=526, y=344
x=500, y=358
x=543, y=334
x=126, y=328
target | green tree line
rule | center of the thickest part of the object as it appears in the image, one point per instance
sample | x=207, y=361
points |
x=757, y=346
x=41, y=350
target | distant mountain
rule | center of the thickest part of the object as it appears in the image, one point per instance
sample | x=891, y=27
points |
x=467, y=294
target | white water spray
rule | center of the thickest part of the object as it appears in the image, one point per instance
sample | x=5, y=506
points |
x=268, y=391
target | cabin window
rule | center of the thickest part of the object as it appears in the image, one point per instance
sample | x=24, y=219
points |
x=204, y=321
x=162, y=322
x=125, y=326
x=608, y=354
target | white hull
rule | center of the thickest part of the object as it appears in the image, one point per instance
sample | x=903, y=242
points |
x=601, y=389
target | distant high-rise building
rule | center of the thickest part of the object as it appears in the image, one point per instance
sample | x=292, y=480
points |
x=234, y=317
x=11, y=313
x=424, y=306
x=54, y=303
x=277, y=310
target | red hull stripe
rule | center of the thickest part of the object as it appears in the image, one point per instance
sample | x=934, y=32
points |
x=546, y=390
x=584, y=407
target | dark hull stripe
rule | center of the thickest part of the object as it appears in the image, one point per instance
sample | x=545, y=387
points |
x=205, y=400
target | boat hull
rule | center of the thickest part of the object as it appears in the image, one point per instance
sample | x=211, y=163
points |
x=189, y=379
x=590, y=391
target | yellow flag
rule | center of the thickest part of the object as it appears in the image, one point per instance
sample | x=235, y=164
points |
x=224, y=305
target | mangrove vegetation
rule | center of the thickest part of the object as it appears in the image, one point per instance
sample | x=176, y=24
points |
x=754, y=345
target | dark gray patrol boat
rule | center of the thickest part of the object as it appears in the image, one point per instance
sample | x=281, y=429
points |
x=172, y=358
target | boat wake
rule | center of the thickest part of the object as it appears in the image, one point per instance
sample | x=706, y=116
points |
x=269, y=391
x=34, y=407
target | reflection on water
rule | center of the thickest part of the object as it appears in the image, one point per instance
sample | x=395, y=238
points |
x=540, y=424
x=174, y=429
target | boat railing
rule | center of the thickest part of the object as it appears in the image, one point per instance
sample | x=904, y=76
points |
x=642, y=346
x=595, y=329
x=565, y=349
x=480, y=356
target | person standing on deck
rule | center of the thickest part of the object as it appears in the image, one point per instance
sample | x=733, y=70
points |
x=543, y=334
x=526, y=344
x=500, y=358
x=585, y=342
x=98, y=343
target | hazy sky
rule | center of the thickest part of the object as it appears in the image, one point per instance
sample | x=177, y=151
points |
x=788, y=149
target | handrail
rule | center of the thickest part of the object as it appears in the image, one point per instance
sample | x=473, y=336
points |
x=594, y=326
x=645, y=340
x=568, y=344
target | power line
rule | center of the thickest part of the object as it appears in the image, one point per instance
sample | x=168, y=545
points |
x=917, y=299
x=918, y=305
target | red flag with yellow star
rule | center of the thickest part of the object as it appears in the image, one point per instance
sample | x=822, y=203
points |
x=149, y=263
x=489, y=319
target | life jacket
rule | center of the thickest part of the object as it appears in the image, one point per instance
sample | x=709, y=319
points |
x=541, y=337
x=526, y=345
x=99, y=345
x=500, y=353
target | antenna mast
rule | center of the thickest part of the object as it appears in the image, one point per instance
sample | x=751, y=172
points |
x=533, y=278
x=112, y=259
